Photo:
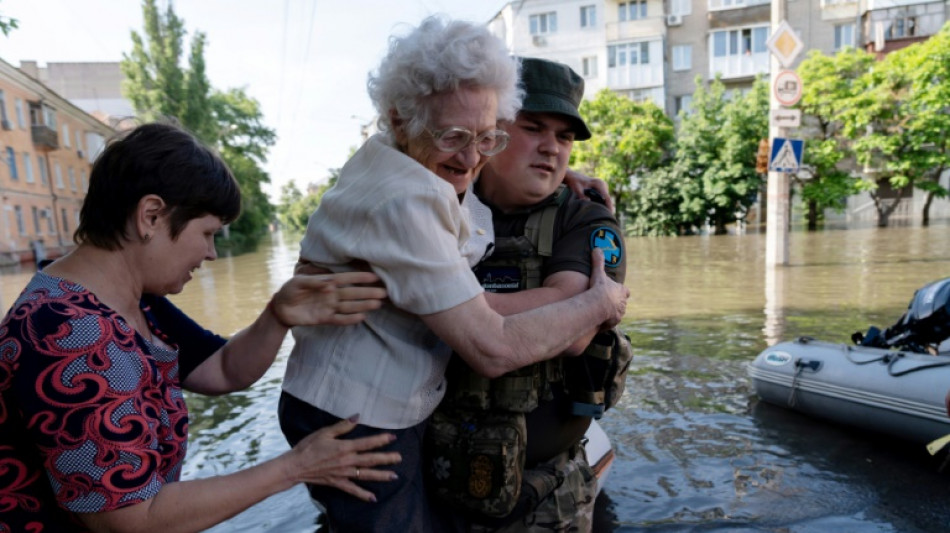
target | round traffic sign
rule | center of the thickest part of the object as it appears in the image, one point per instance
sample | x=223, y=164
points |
x=787, y=88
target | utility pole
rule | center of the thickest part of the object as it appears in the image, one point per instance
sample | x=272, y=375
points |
x=777, y=187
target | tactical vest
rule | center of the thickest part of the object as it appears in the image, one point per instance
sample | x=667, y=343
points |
x=516, y=264
x=476, y=440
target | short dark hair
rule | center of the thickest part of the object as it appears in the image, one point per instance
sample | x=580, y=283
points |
x=156, y=158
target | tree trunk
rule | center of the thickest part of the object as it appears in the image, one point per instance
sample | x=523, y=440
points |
x=925, y=218
x=812, y=215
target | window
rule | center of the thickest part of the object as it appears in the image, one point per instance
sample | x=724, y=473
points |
x=48, y=215
x=680, y=7
x=588, y=16
x=20, y=121
x=543, y=23
x=589, y=67
x=683, y=57
x=83, y=180
x=36, y=220
x=844, y=35
x=746, y=41
x=28, y=167
x=41, y=163
x=11, y=163
x=78, y=140
x=3, y=106
x=682, y=103
x=902, y=27
x=636, y=10
x=18, y=211
x=622, y=55
x=72, y=178
x=58, y=172
x=62, y=214
x=66, y=141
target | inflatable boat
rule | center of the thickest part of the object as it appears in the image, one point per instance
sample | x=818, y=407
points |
x=600, y=454
x=891, y=382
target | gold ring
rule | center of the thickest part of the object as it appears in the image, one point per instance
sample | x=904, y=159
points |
x=357, y=472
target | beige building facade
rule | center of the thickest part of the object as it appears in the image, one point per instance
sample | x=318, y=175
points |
x=47, y=146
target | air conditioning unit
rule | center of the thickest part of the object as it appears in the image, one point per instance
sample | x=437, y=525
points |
x=5, y=124
x=539, y=40
x=674, y=20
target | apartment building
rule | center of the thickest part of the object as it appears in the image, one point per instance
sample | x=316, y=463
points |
x=47, y=146
x=655, y=49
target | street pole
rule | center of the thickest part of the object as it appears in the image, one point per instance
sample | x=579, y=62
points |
x=777, y=188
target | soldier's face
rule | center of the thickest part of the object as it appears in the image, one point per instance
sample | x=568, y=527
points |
x=534, y=164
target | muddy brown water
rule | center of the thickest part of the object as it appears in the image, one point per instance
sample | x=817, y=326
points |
x=695, y=449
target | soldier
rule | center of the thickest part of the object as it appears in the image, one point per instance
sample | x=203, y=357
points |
x=507, y=453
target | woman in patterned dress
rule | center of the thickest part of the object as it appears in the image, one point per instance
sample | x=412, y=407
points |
x=93, y=358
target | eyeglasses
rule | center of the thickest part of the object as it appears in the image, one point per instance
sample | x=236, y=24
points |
x=455, y=139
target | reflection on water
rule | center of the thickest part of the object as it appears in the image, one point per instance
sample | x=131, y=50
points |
x=695, y=451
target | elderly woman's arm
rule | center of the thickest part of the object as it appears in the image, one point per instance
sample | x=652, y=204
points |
x=334, y=299
x=320, y=458
x=493, y=344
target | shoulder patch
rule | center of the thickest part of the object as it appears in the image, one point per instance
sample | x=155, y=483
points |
x=607, y=240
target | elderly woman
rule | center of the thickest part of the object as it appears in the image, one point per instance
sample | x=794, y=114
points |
x=440, y=93
x=93, y=424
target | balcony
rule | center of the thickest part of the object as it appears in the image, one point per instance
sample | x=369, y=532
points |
x=44, y=137
x=739, y=66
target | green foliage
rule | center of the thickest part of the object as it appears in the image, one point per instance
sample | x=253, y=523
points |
x=714, y=168
x=630, y=139
x=230, y=121
x=295, y=207
x=830, y=83
x=8, y=24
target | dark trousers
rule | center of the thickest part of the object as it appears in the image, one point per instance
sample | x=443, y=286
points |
x=401, y=505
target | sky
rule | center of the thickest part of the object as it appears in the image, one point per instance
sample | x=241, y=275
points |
x=305, y=61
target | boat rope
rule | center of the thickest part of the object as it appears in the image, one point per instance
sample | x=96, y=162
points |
x=896, y=357
x=799, y=366
x=890, y=359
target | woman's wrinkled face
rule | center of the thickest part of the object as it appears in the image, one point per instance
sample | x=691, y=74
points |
x=474, y=109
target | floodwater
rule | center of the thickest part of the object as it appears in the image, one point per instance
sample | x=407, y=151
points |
x=695, y=450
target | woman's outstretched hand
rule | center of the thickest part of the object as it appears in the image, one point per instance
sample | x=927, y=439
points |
x=335, y=299
x=324, y=459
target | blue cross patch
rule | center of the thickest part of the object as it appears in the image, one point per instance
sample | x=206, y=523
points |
x=607, y=240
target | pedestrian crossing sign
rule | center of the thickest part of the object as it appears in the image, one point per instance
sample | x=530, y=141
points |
x=786, y=155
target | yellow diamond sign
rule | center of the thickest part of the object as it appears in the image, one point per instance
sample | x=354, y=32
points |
x=785, y=44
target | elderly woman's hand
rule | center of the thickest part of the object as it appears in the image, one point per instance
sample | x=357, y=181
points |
x=336, y=299
x=324, y=459
x=615, y=294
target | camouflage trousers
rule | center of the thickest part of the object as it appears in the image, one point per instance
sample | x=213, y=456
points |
x=569, y=507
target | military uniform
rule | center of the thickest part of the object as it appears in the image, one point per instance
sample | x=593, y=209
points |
x=558, y=487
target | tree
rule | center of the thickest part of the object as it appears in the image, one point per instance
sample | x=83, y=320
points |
x=229, y=121
x=629, y=139
x=928, y=67
x=295, y=207
x=829, y=84
x=876, y=121
x=8, y=24
x=715, y=154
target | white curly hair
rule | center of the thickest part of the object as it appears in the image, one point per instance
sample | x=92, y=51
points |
x=440, y=56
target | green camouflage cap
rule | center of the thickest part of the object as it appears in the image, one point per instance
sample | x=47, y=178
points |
x=552, y=87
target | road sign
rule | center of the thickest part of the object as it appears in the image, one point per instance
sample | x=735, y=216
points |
x=786, y=155
x=787, y=88
x=785, y=44
x=787, y=118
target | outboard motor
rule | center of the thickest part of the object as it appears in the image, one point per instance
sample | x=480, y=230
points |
x=922, y=328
